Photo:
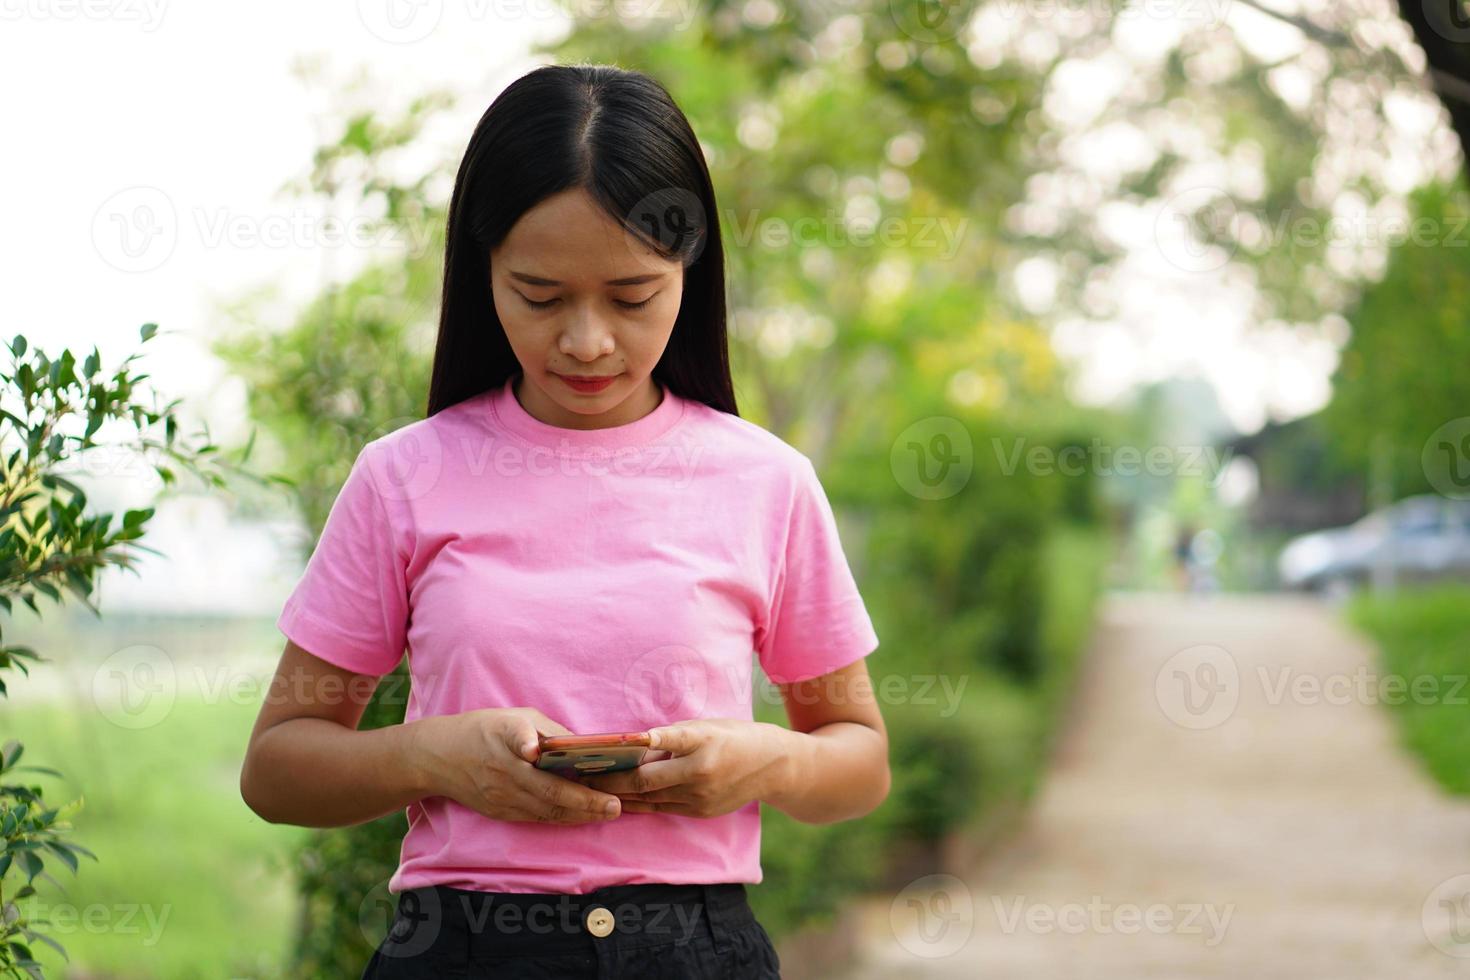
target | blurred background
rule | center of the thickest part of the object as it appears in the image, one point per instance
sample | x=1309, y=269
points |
x=1130, y=342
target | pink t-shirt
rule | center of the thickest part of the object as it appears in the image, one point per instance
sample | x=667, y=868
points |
x=615, y=579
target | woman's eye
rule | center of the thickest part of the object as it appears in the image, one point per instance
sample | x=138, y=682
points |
x=543, y=304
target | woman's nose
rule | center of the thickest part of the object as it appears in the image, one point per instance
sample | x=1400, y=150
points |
x=586, y=340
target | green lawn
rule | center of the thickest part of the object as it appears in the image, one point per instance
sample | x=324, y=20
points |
x=1424, y=636
x=189, y=882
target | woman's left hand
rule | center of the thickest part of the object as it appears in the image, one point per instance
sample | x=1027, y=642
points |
x=716, y=765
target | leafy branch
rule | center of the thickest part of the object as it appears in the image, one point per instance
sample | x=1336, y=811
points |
x=52, y=411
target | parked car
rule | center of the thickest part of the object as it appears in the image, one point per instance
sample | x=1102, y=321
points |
x=1421, y=538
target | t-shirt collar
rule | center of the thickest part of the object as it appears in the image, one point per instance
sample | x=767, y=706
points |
x=514, y=418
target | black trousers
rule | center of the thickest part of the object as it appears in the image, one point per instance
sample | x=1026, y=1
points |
x=689, y=932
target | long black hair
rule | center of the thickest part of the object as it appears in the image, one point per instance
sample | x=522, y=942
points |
x=617, y=134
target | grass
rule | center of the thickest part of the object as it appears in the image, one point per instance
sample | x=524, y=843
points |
x=1424, y=636
x=188, y=882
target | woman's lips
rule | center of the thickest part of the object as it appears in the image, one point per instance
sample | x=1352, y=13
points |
x=588, y=387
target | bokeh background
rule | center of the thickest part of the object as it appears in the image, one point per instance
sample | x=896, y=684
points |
x=1129, y=340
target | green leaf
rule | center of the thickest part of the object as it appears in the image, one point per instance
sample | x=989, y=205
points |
x=53, y=944
x=61, y=851
x=79, y=498
x=18, y=345
x=148, y=330
x=79, y=583
x=135, y=518
x=68, y=374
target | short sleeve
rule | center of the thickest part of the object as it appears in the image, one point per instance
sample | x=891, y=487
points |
x=817, y=621
x=350, y=606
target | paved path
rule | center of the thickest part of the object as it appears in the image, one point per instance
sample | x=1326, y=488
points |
x=1287, y=836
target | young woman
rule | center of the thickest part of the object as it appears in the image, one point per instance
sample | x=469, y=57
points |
x=583, y=536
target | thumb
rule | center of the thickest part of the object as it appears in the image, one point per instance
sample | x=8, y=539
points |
x=523, y=741
x=526, y=731
x=674, y=739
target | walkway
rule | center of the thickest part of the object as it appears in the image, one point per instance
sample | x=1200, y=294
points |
x=1228, y=801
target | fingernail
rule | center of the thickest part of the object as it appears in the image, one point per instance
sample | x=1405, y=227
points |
x=611, y=808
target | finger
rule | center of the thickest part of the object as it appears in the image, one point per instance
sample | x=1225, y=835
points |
x=647, y=778
x=546, y=790
x=539, y=811
x=680, y=739
x=526, y=735
x=522, y=740
x=554, y=815
x=612, y=782
x=651, y=798
x=547, y=726
x=678, y=809
x=635, y=806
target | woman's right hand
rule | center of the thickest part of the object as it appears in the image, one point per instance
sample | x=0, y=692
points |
x=483, y=759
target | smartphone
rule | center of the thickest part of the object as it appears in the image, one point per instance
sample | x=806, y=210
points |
x=573, y=755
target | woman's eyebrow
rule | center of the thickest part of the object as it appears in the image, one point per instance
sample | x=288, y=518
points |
x=626, y=281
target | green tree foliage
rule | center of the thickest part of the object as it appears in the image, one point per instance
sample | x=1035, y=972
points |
x=353, y=365
x=844, y=331
x=52, y=411
x=1402, y=375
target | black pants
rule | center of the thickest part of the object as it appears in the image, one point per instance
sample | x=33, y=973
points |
x=689, y=932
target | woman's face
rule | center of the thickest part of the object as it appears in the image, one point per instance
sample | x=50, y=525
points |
x=570, y=285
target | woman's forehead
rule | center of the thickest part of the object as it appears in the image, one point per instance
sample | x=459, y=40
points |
x=571, y=240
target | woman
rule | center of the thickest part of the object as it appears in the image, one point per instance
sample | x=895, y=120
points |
x=583, y=536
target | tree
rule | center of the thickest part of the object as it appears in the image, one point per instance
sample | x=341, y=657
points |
x=51, y=411
x=1401, y=378
x=1442, y=29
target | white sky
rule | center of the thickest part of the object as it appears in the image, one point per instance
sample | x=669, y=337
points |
x=191, y=111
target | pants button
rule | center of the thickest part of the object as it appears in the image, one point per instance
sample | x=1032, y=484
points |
x=599, y=922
